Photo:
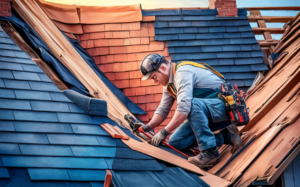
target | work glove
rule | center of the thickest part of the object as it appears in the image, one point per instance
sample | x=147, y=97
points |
x=160, y=136
x=146, y=128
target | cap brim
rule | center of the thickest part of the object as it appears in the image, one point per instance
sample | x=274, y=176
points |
x=145, y=77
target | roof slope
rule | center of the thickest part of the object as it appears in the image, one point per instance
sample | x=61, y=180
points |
x=44, y=137
x=225, y=43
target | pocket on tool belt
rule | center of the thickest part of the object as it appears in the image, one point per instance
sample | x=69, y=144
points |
x=217, y=110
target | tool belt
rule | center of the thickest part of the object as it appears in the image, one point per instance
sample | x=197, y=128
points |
x=234, y=101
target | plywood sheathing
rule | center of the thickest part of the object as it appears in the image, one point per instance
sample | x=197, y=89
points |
x=64, y=51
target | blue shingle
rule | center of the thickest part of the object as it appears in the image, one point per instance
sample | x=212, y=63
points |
x=33, y=95
x=239, y=82
x=12, y=137
x=170, y=12
x=232, y=35
x=202, y=29
x=8, y=148
x=241, y=61
x=200, y=23
x=200, y=12
x=226, y=62
x=259, y=67
x=6, y=74
x=35, y=116
x=242, y=75
x=32, y=68
x=46, y=150
x=247, y=34
x=171, y=49
x=246, y=48
x=130, y=154
x=178, y=56
x=175, y=43
x=201, y=56
x=7, y=126
x=49, y=106
x=3, y=34
x=216, y=29
x=17, y=60
x=221, y=23
x=26, y=76
x=88, y=129
x=1, y=84
x=231, y=48
x=191, y=18
x=106, y=141
x=5, y=93
x=196, y=43
x=231, y=29
x=210, y=62
x=54, y=162
x=87, y=175
x=227, y=55
x=246, y=68
x=43, y=127
x=42, y=86
x=242, y=40
x=77, y=184
x=90, y=151
x=14, y=104
x=218, y=41
x=74, y=118
x=173, y=30
x=187, y=36
x=211, y=48
x=75, y=109
x=160, y=31
x=7, y=41
x=166, y=37
x=180, y=24
x=160, y=24
x=245, y=28
x=248, y=82
x=256, y=46
x=59, y=97
x=4, y=173
x=167, y=18
x=109, y=162
x=190, y=30
x=187, y=49
x=97, y=184
x=48, y=174
x=6, y=53
x=44, y=77
x=243, y=54
x=140, y=165
x=21, y=54
x=9, y=46
x=7, y=115
x=68, y=139
x=10, y=66
x=222, y=69
x=240, y=22
x=209, y=35
x=257, y=53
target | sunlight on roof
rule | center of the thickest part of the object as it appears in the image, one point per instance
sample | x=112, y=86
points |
x=146, y=4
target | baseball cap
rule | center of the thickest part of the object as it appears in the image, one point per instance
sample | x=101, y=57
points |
x=149, y=64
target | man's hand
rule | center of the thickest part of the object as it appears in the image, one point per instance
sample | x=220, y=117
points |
x=160, y=136
x=146, y=128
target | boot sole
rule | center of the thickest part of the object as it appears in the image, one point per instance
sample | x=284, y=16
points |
x=207, y=166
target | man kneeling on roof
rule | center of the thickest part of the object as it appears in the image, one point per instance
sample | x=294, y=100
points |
x=195, y=88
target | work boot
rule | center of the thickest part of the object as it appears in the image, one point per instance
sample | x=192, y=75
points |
x=235, y=139
x=206, y=159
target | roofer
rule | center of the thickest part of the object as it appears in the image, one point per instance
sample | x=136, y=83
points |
x=195, y=90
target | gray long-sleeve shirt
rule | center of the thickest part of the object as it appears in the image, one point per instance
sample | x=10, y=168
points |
x=186, y=78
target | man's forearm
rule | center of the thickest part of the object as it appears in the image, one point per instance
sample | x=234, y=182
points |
x=176, y=121
x=155, y=121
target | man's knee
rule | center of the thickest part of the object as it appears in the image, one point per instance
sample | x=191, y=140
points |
x=172, y=141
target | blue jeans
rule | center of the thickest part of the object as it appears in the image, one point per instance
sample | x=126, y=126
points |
x=205, y=115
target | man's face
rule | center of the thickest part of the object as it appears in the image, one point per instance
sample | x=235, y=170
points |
x=160, y=76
